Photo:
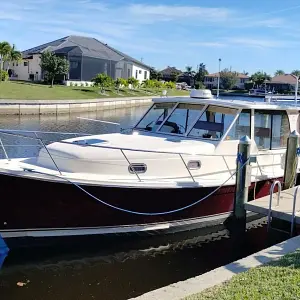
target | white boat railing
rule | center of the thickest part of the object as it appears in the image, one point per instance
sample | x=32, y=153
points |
x=16, y=133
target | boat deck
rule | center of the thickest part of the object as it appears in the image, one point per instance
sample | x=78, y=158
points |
x=283, y=211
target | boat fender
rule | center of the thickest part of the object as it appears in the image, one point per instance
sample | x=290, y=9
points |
x=3, y=251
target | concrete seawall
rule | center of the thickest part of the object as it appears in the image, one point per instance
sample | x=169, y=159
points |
x=39, y=107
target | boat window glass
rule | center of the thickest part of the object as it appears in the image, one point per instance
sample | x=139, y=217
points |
x=262, y=129
x=155, y=116
x=241, y=127
x=271, y=129
x=182, y=118
x=280, y=130
x=214, y=122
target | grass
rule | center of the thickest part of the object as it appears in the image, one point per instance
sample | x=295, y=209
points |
x=31, y=91
x=277, y=280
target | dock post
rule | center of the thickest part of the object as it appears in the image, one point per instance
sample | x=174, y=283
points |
x=243, y=180
x=291, y=159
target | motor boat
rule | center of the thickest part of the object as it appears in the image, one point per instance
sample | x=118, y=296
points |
x=174, y=169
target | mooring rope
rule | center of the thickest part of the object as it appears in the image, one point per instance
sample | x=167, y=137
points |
x=137, y=212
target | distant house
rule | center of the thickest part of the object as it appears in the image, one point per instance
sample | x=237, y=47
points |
x=187, y=78
x=169, y=73
x=211, y=81
x=286, y=82
x=87, y=57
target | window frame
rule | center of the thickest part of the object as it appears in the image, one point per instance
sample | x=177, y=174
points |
x=238, y=111
x=188, y=129
x=271, y=113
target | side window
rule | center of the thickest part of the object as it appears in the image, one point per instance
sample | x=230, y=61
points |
x=241, y=127
x=280, y=130
x=271, y=129
x=262, y=129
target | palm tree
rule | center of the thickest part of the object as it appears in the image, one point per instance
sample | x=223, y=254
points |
x=5, y=49
x=296, y=73
x=191, y=73
x=13, y=55
x=279, y=72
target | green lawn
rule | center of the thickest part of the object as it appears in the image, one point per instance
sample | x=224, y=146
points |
x=277, y=280
x=32, y=91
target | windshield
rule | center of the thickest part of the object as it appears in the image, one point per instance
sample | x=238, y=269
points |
x=213, y=123
x=155, y=116
x=182, y=118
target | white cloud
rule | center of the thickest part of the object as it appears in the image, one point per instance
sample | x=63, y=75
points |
x=256, y=43
x=171, y=12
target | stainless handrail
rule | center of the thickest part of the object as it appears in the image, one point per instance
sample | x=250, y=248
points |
x=294, y=211
x=5, y=153
x=277, y=182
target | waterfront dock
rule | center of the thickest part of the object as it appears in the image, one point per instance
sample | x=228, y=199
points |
x=285, y=209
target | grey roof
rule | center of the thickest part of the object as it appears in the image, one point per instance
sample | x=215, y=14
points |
x=86, y=45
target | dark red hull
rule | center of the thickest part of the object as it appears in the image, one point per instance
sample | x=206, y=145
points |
x=35, y=204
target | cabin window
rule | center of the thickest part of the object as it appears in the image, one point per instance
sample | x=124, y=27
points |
x=271, y=129
x=155, y=116
x=182, y=118
x=213, y=123
x=241, y=127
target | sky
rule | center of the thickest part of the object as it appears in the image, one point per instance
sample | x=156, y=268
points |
x=257, y=35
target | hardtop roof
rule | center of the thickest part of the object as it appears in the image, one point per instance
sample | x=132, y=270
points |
x=231, y=103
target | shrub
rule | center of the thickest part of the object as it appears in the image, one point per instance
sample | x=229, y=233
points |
x=4, y=75
x=82, y=84
x=199, y=85
x=86, y=84
x=76, y=84
x=170, y=85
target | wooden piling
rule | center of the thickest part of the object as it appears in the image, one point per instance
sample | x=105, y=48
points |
x=290, y=168
x=243, y=178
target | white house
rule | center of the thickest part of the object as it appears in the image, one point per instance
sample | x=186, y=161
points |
x=87, y=57
x=211, y=81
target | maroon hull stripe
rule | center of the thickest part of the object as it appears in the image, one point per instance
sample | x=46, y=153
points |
x=27, y=203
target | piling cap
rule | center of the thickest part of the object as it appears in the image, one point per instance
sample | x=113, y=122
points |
x=294, y=134
x=245, y=140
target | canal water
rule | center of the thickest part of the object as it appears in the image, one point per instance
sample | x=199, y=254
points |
x=114, y=267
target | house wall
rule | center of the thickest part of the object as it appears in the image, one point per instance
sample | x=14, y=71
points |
x=22, y=71
x=212, y=82
x=140, y=73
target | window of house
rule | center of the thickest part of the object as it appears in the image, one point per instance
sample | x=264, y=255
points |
x=271, y=129
x=213, y=123
x=182, y=118
x=140, y=71
x=136, y=74
x=25, y=63
x=17, y=64
x=145, y=75
x=13, y=64
x=128, y=73
x=73, y=64
x=155, y=116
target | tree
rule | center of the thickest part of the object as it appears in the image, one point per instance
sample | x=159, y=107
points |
x=5, y=49
x=133, y=81
x=202, y=72
x=228, y=79
x=279, y=72
x=191, y=73
x=174, y=76
x=102, y=80
x=13, y=55
x=154, y=74
x=53, y=65
x=296, y=73
x=259, y=78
